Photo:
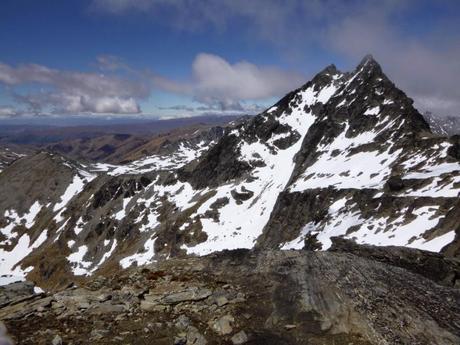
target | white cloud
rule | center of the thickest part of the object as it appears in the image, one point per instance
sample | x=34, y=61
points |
x=7, y=111
x=99, y=105
x=213, y=82
x=216, y=81
x=75, y=92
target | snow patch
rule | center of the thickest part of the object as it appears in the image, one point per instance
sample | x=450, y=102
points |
x=372, y=111
x=145, y=257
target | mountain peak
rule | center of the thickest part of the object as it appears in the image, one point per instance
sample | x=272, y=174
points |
x=324, y=77
x=368, y=58
x=368, y=63
x=330, y=70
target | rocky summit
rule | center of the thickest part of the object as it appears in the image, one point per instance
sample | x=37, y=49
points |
x=353, y=294
x=299, y=198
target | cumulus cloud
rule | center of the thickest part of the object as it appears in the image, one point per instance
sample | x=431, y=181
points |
x=7, y=111
x=215, y=81
x=74, y=92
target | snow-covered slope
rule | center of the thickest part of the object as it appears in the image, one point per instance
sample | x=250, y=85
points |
x=344, y=155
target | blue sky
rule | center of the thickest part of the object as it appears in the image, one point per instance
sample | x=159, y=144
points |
x=167, y=58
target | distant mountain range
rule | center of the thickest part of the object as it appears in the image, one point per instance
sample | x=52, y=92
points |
x=113, y=143
x=43, y=135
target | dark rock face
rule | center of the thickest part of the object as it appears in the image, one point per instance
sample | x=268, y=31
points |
x=119, y=187
x=219, y=165
x=395, y=184
x=291, y=212
x=351, y=296
x=242, y=196
x=43, y=175
x=15, y=291
x=454, y=150
x=434, y=266
x=11, y=153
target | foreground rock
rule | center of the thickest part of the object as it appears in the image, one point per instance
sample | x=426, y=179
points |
x=15, y=291
x=434, y=266
x=245, y=297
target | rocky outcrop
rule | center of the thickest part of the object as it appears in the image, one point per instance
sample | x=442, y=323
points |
x=352, y=295
x=11, y=153
x=41, y=177
x=219, y=165
x=434, y=266
x=15, y=291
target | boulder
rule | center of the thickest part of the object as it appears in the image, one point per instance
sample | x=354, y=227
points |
x=190, y=294
x=222, y=326
x=240, y=338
